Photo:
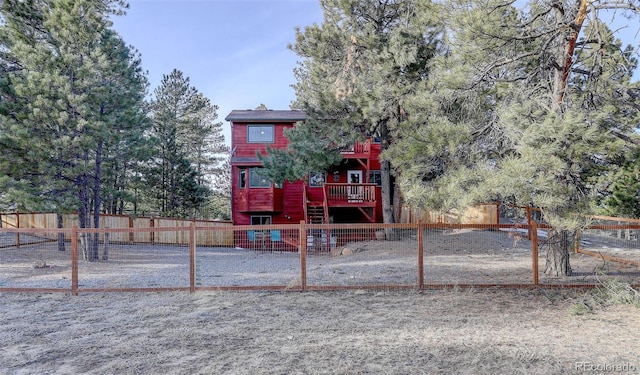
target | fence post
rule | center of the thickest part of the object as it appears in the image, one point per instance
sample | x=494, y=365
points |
x=131, y=234
x=529, y=221
x=192, y=257
x=152, y=233
x=420, y=255
x=74, y=260
x=18, y=226
x=302, y=233
x=105, y=251
x=533, y=229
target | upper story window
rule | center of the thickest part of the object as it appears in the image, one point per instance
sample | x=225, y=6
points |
x=317, y=179
x=258, y=179
x=260, y=133
x=375, y=178
x=242, y=178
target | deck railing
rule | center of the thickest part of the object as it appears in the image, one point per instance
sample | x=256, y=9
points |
x=358, y=148
x=350, y=193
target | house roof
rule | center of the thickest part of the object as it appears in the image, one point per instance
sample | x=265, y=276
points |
x=265, y=115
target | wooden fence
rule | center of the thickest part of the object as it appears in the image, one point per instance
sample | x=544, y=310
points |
x=482, y=214
x=49, y=221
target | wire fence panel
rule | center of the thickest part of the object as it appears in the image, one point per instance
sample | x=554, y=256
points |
x=263, y=257
x=608, y=250
x=478, y=255
x=34, y=259
x=309, y=256
x=107, y=264
x=362, y=255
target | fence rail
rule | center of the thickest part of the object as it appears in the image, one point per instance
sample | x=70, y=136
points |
x=305, y=257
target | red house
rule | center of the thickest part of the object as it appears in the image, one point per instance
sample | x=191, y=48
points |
x=346, y=193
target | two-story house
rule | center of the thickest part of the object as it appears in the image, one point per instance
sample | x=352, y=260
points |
x=346, y=193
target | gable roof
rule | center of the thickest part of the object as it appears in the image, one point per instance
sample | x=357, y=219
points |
x=265, y=115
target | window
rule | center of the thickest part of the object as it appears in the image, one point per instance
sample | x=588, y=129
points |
x=260, y=134
x=317, y=179
x=242, y=178
x=375, y=178
x=260, y=220
x=258, y=179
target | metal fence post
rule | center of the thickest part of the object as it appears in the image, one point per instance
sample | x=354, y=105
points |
x=533, y=229
x=18, y=226
x=192, y=257
x=74, y=260
x=302, y=232
x=420, y=255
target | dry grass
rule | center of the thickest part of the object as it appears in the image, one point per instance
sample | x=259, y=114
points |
x=435, y=332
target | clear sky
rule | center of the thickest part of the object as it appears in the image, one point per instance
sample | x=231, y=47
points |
x=234, y=51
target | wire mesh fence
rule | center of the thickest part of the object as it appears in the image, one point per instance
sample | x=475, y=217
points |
x=34, y=259
x=608, y=248
x=307, y=257
x=363, y=255
x=478, y=255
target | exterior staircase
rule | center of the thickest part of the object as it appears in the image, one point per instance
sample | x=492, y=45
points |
x=315, y=213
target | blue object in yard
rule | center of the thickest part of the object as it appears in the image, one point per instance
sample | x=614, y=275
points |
x=275, y=236
x=252, y=235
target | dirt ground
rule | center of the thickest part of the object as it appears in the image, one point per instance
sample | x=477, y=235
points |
x=454, y=331
x=358, y=332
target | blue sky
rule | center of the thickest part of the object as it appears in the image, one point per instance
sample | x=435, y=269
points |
x=234, y=51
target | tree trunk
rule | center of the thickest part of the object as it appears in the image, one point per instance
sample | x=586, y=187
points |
x=557, y=263
x=386, y=188
x=397, y=201
x=60, y=235
x=97, y=178
x=84, y=217
x=566, y=54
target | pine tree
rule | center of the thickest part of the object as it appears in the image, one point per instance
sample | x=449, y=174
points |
x=76, y=88
x=126, y=145
x=190, y=146
x=359, y=68
x=531, y=105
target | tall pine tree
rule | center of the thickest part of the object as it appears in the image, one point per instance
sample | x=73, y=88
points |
x=533, y=105
x=358, y=69
x=189, y=145
x=74, y=91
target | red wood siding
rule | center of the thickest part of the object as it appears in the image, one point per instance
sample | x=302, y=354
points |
x=292, y=210
x=242, y=148
x=286, y=205
x=260, y=199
